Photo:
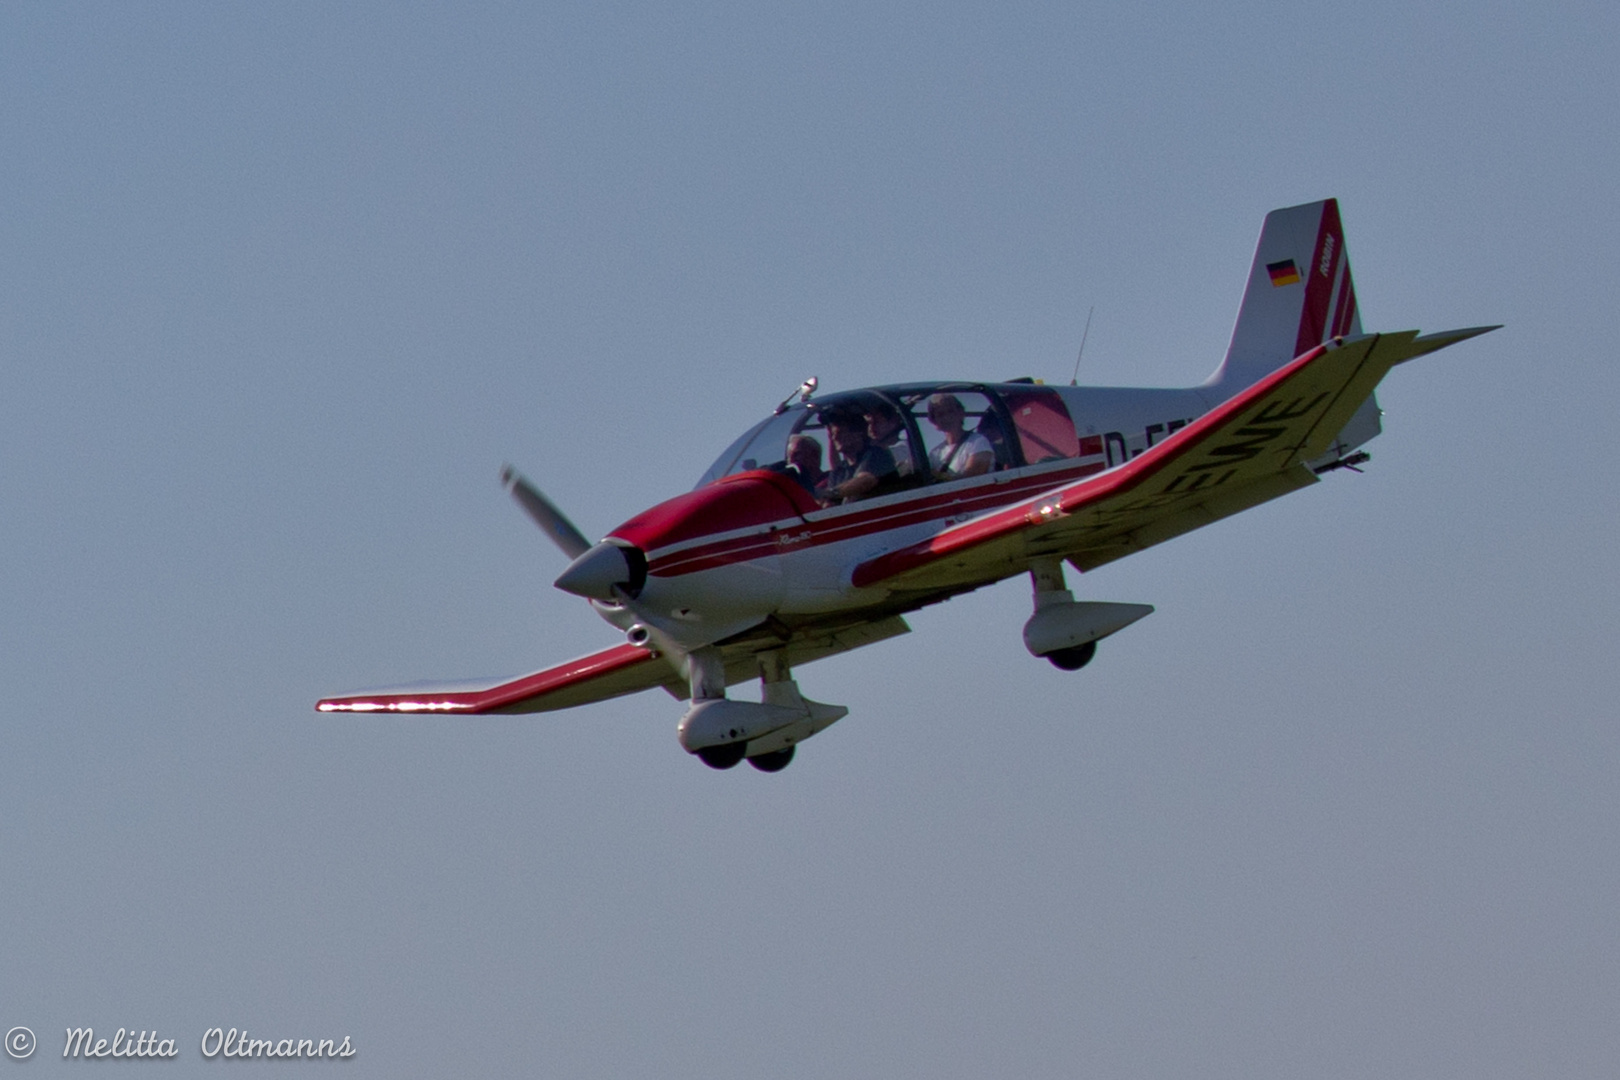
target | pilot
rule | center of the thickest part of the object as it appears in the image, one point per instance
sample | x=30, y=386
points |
x=804, y=462
x=861, y=465
x=961, y=454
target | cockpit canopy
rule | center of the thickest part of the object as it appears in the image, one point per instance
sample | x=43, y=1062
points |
x=906, y=436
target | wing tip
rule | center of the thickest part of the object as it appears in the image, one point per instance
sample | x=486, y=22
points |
x=493, y=695
x=353, y=705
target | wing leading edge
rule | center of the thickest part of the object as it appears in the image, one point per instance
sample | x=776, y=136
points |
x=614, y=672
x=1253, y=447
x=622, y=669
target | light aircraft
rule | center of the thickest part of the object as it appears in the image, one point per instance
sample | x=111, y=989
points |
x=821, y=526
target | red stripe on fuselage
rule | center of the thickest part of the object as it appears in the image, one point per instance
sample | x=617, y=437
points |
x=757, y=498
x=797, y=534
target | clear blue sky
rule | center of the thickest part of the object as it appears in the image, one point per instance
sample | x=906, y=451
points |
x=282, y=286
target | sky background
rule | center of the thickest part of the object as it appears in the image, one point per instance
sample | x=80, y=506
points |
x=283, y=285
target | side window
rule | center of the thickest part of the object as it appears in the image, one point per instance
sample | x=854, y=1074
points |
x=960, y=433
x=1045, y=431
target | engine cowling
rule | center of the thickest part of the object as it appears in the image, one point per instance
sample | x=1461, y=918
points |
x=708, y=558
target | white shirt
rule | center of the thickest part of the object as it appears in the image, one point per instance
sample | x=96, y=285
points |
x=954, y=460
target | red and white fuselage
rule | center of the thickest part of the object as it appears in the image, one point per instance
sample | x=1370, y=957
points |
x=821, y=526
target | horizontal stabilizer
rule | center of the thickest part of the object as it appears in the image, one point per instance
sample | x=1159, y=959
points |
x=1431, y=343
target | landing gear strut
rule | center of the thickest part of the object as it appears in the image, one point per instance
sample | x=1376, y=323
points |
x=722, y=732
x=1066, y=631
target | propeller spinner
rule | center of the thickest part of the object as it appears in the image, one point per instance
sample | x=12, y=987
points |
x=605, y=572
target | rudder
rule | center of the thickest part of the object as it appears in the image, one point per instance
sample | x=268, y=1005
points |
x=1300, y=294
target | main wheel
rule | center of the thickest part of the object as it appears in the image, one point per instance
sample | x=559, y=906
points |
x=775, y=761
x=1073, y=659
x=723, y=756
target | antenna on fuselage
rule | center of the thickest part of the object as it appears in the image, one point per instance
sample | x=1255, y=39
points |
x=803, y=393
x=1076, y=380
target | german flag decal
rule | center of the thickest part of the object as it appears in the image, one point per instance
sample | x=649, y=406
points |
x=1283, y=273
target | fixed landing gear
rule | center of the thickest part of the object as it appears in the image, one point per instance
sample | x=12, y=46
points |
x=1073, y=659
x=723, y=756
x=1066, y=631
x=775, y=761
x=727, y=755
x=721, y=732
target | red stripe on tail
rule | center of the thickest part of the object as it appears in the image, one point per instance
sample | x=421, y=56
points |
x=1320, y=276
x=1347, y=304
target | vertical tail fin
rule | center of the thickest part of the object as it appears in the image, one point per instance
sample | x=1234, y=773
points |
x=1300, y=294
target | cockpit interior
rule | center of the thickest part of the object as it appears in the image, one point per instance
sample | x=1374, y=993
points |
x=862, y=444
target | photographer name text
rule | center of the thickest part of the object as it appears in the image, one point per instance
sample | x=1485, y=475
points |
x=217, y=1044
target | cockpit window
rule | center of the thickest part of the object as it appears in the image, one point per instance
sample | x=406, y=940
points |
x=762, y=447
x=961, y=430
x=866, y=443
x=722, y=464
x=1045, y=429
x=842, y=448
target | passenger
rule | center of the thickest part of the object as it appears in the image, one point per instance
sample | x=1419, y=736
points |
x=804, y=462
x=961, y=454
x=861, y=466
x=885, y=429
x=990, y=428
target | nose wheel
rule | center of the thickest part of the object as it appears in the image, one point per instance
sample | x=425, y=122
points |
x=775, y=761
x=721, y=732
x=723, y=756
x=728, y=755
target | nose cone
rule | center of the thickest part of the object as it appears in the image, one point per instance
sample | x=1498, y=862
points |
x=594, y=574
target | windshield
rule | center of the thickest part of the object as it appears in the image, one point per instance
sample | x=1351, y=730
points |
x=865, y=443
x=842, y=447
x=722, y=464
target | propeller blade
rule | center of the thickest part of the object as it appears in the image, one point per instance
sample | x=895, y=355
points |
x=545, y=513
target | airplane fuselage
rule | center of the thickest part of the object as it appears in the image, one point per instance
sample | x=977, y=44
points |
x=753, y=541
